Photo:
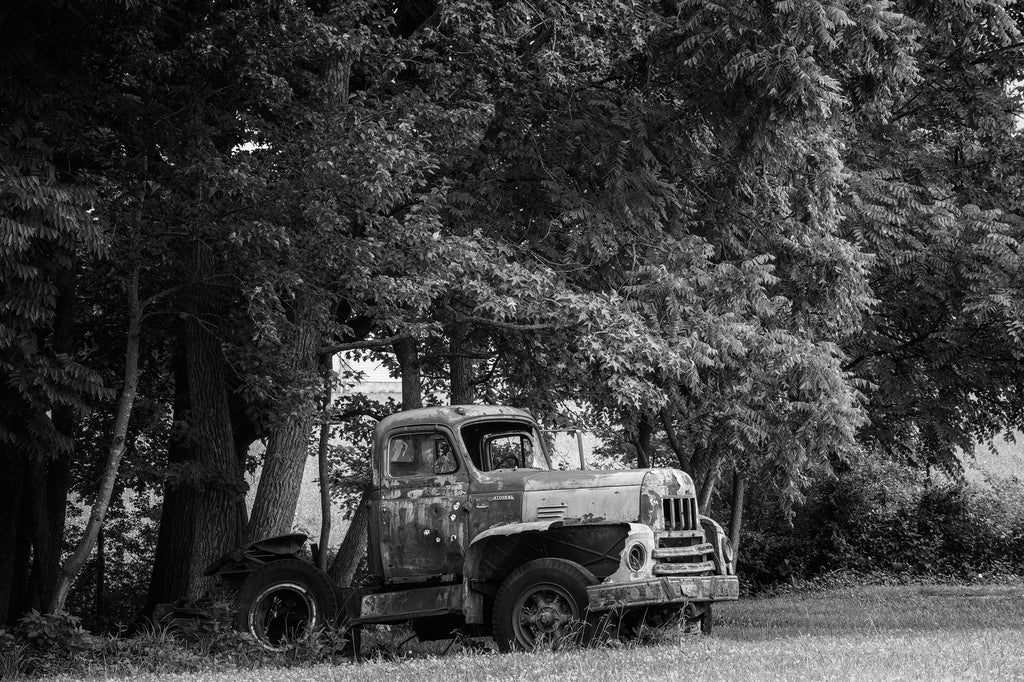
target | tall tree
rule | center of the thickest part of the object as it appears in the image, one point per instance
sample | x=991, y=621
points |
x=935, y=194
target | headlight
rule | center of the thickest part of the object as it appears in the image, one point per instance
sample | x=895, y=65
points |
x=636, y=556
x=728, y=553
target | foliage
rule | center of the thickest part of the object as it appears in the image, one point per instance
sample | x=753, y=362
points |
x=934, y=194
x=882, y=519
x=45, y=226
x=47, y=645
x=112, y=600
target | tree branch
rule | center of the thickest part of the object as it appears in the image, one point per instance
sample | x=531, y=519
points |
x=365, y=344
x=512, y=326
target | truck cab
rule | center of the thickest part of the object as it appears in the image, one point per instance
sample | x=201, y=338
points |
x=471, y=527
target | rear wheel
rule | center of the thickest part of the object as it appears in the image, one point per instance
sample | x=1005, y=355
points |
x=542, y=603
x=285, y=602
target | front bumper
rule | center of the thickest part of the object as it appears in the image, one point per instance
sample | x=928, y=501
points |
x=664, y=590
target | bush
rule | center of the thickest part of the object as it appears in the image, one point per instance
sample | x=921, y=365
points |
x=45, y=645
x=881, y=518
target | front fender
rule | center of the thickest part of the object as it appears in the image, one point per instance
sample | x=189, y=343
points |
x=725, y=556
x=476, y=545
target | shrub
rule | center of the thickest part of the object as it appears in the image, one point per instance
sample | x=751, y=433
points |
x=45, y=645
x=882, y=518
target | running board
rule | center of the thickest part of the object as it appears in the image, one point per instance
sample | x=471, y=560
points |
x=391, y=607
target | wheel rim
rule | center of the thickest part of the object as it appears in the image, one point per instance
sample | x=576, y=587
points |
x=543, y=612
x=281, y=614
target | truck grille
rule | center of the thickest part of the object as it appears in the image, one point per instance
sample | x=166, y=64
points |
x=680, y=513
x=680, y=547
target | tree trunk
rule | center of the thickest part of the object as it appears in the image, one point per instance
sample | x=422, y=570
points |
x=642, y=441
x=12, y=486
x=670, y=433
x=707, y=487
x=324, y=473
x=48, y=494
x=169, y=579
x=460, y=367
x=21, y=601
x=407, y=353
x=219, y=510
x=51, y=479
x=739, y=487
x=280, y=484
x=353, y=547
x=118, y=444
x=101, y=575
x=243, y=428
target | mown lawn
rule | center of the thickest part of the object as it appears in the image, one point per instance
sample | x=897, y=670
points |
x=863, y=633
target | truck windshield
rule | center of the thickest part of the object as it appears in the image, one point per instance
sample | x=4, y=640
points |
x=504, y=445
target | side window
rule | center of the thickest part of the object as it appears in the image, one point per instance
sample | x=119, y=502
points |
x=420, y=454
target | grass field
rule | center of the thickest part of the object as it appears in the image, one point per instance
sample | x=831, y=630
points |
x=862, y=633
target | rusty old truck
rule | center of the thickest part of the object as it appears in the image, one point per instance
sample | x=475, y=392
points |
x=470, y=528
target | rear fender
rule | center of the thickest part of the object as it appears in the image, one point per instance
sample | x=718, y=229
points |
x=240, y=562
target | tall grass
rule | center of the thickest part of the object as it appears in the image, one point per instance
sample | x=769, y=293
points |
x=856, y=633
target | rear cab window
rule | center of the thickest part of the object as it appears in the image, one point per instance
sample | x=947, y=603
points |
x=499, y=444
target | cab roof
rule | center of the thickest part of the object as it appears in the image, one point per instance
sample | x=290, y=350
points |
x=448, y=415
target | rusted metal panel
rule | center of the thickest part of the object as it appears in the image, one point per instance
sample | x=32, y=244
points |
x=405, y=604
x=583, y=505
x=676, y=552
x=665, y=590
x=494, y=508
x=572, y=497
x=679, y=534
x=672, y=491
x=424, y=529
x=449, y=415
x=684, y=569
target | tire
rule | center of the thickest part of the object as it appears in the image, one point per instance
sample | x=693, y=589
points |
x=543, y=603
x=701, y=623
x=692, y=619
x=285, y=602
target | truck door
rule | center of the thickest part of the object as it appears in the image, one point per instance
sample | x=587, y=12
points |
x=423, y=519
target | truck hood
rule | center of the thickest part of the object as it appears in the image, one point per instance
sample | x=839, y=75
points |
x=528, y=480
x=579, y=496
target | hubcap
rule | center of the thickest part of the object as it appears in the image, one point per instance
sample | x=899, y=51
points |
x=544, y=612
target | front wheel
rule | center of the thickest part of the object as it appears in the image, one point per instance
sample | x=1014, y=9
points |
x=698, y=619
x=542, y=603
x=285, y=602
